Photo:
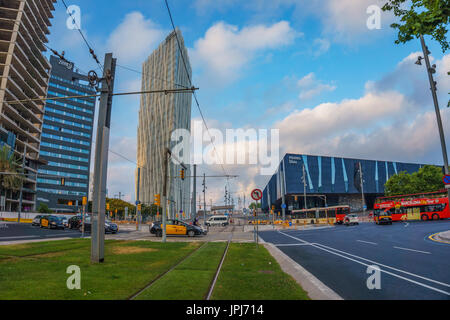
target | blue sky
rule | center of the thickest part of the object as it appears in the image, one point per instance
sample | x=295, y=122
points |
x=309, y=68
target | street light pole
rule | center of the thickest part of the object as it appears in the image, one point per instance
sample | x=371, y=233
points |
x=430, y=71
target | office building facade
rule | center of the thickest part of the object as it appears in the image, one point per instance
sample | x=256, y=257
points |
x=329, y=181
x=24, y=72
x=66, y=139
x=159, y=115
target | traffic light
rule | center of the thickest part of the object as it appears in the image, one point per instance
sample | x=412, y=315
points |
x=139, y=207
x=182, y=174
x=158, y=199
x=63, y=181
x=107, y=206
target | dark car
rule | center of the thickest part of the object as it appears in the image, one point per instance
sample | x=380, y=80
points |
x=75, y=222
x=52, y=222
x=176, y=227
x=109, y=226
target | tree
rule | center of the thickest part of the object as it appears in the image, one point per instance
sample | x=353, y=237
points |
x=11, y=177
x=43, y=208
x=424, y=17
x=427, y=179
x=252, y=205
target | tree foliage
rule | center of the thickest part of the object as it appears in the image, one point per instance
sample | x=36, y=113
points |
x=422, y=17
x=427, y=179
x=252, y=205
x=9, y=164
x=43, y=208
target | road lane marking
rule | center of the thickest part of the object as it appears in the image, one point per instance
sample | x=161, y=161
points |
x=320, y=246
x=291, y=244
x=412, y=250
x=367, y=242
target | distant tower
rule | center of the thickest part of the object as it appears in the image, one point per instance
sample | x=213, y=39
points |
x=159, y=115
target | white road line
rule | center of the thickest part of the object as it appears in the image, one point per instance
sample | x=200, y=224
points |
x=291, y=244
x=367, y=242
x=320, y=246
x=412, y=250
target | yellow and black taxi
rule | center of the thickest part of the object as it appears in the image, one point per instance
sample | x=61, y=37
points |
x=176, y=227
x=52, y=222
x=381, y=216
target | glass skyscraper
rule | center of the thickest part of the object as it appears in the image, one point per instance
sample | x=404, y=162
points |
x=159, y=116
x=66, y=140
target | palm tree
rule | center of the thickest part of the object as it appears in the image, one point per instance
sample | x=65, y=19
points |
x=11, y=173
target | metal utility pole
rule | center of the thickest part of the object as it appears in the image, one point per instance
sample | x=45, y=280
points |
x=21, y=183
x=430, y=71
x=362, y=188
x=304, y=187
x=138, y=202
x=194, y=193
x=164, y=195
x=101, y=160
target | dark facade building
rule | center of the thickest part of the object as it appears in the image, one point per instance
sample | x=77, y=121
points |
x=66, y=140
x=329, y=181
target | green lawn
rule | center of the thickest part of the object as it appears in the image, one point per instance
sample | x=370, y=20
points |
x=191, y=279
x=251, y=273
x=128, y=267
x=38, y=271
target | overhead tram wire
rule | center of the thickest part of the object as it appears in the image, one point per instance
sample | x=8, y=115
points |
x=151, y=76
x=190, y=83
x=91, y=51
x=165, y=91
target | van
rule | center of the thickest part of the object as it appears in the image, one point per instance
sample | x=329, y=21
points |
x=217, y=221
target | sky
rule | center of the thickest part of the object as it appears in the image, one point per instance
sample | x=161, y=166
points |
x=311, y=69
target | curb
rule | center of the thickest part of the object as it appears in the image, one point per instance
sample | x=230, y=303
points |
x=315, y=288
x=441, y=237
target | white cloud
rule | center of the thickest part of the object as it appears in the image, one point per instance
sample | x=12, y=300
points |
x=320, y=46
x=225, y=50
x=311, y=87
x=135, y=38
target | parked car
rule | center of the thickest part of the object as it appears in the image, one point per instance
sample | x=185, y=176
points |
x=52, y=222
x=176, y=227
x=74, y=222
x=217, y=221
x=37, y=220
x=351, y=219
x=109, y=226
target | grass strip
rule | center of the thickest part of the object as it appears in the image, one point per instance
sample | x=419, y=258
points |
x=251, y=273
x=191, y=279
x=128, y=267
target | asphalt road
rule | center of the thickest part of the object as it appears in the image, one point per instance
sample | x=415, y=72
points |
x=24, y=231
x=412, y=266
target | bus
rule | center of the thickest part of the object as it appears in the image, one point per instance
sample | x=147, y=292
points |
x=422, y=206
x=320, y=215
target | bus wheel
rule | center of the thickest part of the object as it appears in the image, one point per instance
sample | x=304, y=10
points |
x=424, y=217
x=435, y=216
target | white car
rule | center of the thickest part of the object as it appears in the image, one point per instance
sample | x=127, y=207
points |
x=351, y=219
x=217, y=221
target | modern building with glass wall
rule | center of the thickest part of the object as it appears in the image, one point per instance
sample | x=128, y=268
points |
x=66, y=139
x=329, y=181
x=159, y=115
x=24, y=75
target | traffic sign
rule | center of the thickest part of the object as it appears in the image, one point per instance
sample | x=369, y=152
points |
x=446, y=179
x=283, y=206
x=256, y=194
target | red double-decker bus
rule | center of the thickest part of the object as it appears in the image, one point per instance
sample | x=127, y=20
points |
x=422, y=206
